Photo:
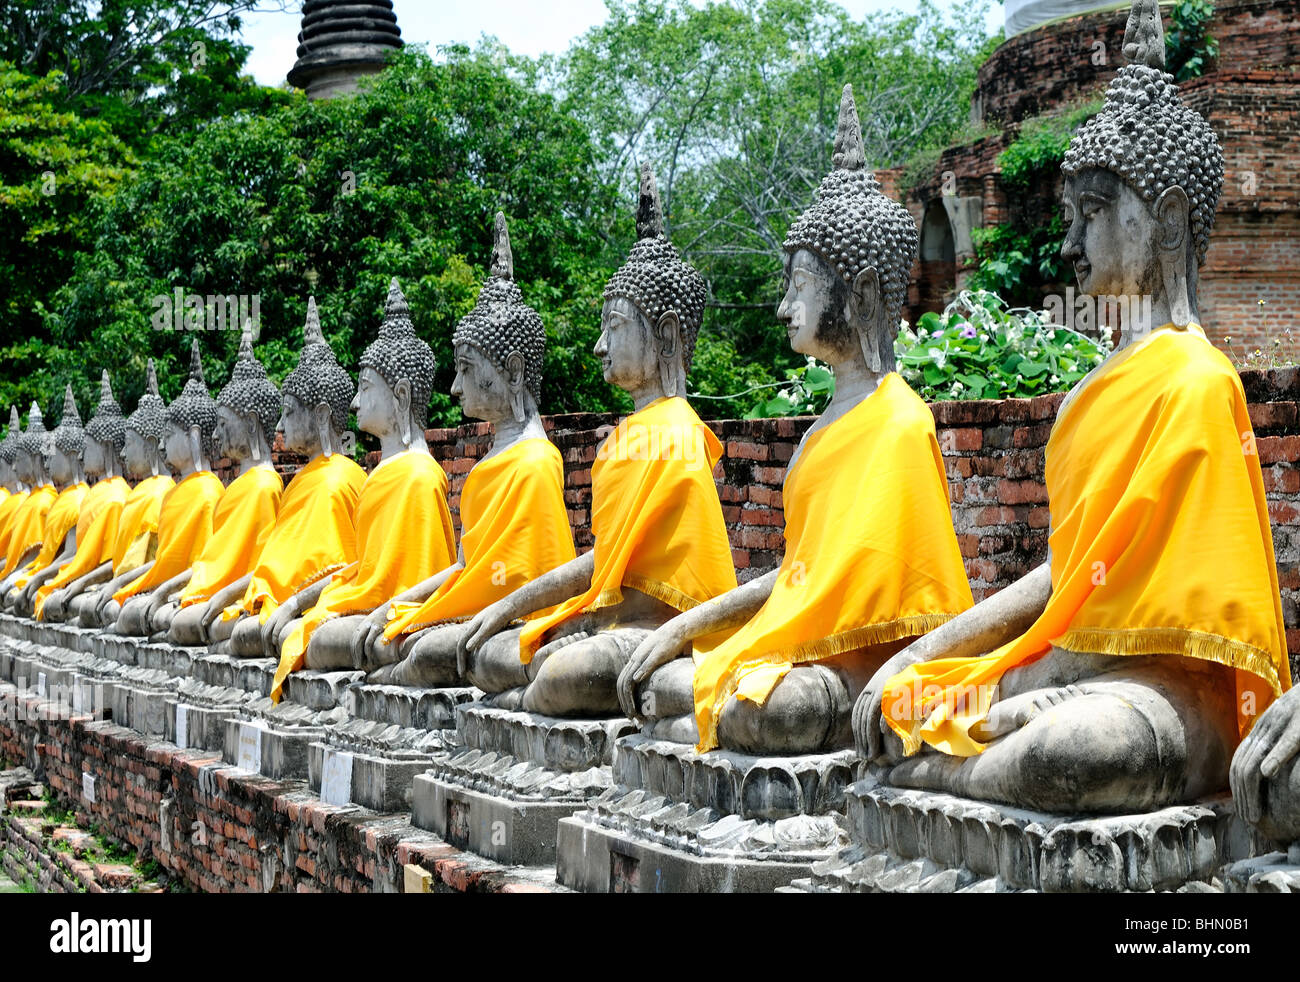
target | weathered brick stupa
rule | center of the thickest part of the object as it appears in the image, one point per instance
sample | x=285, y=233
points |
x=1249, y=93
x=341, y=41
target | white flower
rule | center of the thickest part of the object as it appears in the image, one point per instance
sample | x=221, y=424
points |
x=1055, y=380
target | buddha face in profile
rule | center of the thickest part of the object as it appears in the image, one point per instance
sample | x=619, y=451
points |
x=137, y=455
x=63, y=467
x=380, y=407
x=232, y=435
x=482, y=388
x=817, y=309
x=8, y=476
x=298, y=424
x=176, y=446
x=94, y=458
x=625, y=349
x=1111, y=236
x=28, y=471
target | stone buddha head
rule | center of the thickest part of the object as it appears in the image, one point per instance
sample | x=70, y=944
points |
x=9, y=452
x=142, y=450
x=1142, y=180
x=247, y=408
x=34, y=449
x=188, y=440
x=69, y=444
x=105, y=434
x=848, y=260
x=654, y=306
x=316, y=396
x=499, y=345
x=396, y=377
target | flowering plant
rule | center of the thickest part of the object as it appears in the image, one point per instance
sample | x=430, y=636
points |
x=978, y=349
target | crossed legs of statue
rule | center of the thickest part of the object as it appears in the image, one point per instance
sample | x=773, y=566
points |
x=132, y=621
x=808, y=712
x=186, y=626
x=426, y=659
x=245, y=637
x=330, y=649
x=1140, y=734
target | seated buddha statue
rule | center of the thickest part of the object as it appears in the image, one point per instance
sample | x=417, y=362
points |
x=185, y=521
x=661, y=544
x=247, y=410
x=315, y=532
x=403, y=523
x=1122, y=674
x=28, y=530
x=514, y=525
x=63, y=521
x=15, y=490
x=869, y=564
x=136, y=541
x=103, y=438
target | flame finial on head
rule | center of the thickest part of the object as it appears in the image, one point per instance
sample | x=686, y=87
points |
x=196, y=363
x=1144, y=35
x=650, y=209
x=503, y=259
x=850, y=154
x=311, y=332
x=151, y=379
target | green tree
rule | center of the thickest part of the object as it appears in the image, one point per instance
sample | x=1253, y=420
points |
x=334, y=198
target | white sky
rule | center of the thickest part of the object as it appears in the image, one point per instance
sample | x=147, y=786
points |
x=527, y=27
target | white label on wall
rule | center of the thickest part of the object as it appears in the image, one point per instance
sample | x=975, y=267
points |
x=40, y=685
x=88, y=786
x=336, y=778
x=78, y=700
x=182, y=726
x=250, y=748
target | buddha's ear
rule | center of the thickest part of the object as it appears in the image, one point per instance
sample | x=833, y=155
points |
x=254, y=424
x=196, y=444
x=321, y=417
x=402, y=403
x=865, y=307
x=1171, y=212
x=668, y=342
x=516, y=385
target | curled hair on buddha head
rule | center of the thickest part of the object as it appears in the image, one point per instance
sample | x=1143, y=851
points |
x=398, y=353
x=853, y=226
x=655, y=277
x=37, y=441
x=501, y=324
x=319, y=377
x=250, y=390
x=108, y=425
x=70, y=435
x=195, y=406
x=9, y=445
x=1147, y=137
x=150, y=416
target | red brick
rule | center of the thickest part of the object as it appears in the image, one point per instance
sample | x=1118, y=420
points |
x=960, y=440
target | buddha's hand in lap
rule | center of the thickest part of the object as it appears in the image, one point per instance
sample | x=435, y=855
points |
x=487, y=622
x=1270, y=746
x=1008, y=715
x=370, y=634
x=871, y=733
x=656, y=651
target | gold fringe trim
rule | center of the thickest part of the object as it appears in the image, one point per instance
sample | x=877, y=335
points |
x=1175, y=641
x=821, y=649
x=662, y=592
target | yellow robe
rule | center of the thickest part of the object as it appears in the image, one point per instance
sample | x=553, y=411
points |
x=514, y=528
x=184, y=528
x=8, y=509
x=137, y=527
x=99, y=515
x=314, y=535
x=28, y=526
x=404, y=536
x=1161, y=542
x=61, y=519
x=871, y=555
x=655, y=516
x=241, y=526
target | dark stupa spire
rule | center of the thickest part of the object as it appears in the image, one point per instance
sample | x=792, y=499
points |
x=340, y=41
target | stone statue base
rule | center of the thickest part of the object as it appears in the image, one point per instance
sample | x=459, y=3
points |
x=679, y=821
x=504, y=795
x=908, y=841
x=1275, y=872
